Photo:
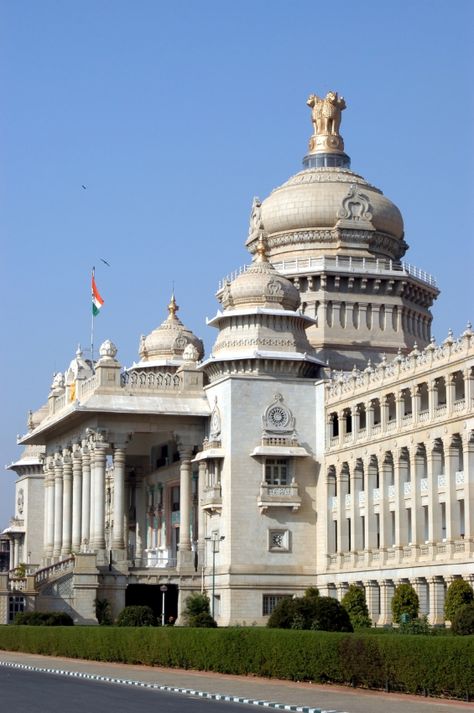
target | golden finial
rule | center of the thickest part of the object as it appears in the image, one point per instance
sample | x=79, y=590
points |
x=326, y=119
x=172, y=307
x=261, y=252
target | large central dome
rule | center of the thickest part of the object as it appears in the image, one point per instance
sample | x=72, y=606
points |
x=327, y=208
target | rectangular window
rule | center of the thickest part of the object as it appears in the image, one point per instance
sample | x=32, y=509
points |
x=377, y=529
x=15, y=605
x=362, y=525
x=276, y=471
x=270, y=601
x=443, y=521
x=349, y=534
x=425, y=523
x=392, y=528
x=409, y=527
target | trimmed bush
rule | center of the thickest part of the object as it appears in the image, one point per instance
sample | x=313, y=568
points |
x=197, y=611
x=137, y=616
x=310, y=612
x=416, y=626
x=405, y=601
x=330, y=615
x=38, y=618
x=459, y=593
x=438, y=666
x=462, y=622
x=354, y=603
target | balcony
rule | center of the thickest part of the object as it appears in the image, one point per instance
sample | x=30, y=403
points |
x=277, y=496
x=157, y=558
x=212, y=498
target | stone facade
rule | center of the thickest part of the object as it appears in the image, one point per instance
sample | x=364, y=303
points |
x=326, y=439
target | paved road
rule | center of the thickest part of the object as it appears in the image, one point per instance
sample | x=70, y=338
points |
x=327, y=697
x=33, y=692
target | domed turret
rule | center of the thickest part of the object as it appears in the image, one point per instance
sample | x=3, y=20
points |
x=166, y=344
x=260, y=329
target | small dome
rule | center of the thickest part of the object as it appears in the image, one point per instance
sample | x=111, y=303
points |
x=260, y=286
x=168, y=341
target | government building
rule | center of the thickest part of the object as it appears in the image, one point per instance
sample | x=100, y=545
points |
x=326, y=440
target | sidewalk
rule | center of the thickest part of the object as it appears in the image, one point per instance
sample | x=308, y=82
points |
x=334, y=698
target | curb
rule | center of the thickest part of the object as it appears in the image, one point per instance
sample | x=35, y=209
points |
x=170, y=689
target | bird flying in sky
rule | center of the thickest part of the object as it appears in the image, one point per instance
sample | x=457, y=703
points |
x=105, y=262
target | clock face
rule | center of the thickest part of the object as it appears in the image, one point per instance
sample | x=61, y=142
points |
x=278, y=417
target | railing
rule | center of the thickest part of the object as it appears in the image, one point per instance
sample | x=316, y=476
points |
x=17, y=584
x=459, y=405
x=376, y=495
x=407, y=489
x=441, y=481
x=157, y=559
x=423, y=416
x=53, y=570
x=333, y=503
x=361, y=498
x=379, y=266
x=391, y=491
x=348, y=500
x=86, y=387
x=459, y=477
x=424, y=485
x=142, y=380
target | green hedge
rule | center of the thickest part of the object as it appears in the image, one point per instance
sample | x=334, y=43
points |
x=441, y=666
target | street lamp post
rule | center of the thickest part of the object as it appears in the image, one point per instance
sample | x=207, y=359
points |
x=163, y=590
x=215, y=539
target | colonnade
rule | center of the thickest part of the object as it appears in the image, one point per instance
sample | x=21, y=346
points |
x=431, y=593
x=411, y=495
x=74, y=503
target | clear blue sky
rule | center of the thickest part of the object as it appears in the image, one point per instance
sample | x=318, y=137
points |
x=174, y=115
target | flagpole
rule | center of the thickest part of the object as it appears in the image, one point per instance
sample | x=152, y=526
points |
x=92, y=326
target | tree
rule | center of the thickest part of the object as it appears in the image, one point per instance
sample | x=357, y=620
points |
x=354, y=603
x=462, y=622
x=103, y=612
x=405, y=601
x=330, y=615
x=459, y=593
x=197, y=611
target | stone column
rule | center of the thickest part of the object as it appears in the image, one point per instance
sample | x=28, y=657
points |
x=433, y=464
x=185, y=506
x=399, y=409
x=372, y=599
x=98, y=534
x=369, y=415
x=67, y=504
x=342, y=529
x=11, y=540
x=450, y=461
x=384, y=413
x=420, y=586
x=399, y=468
x=92, y=452
x=416, y=401
x=387, y=590
x=416, y=463
x=432, y=397
x=385, y=472
x=342, y=589
x=201, y=512
x=49, y=500
x=140, y=515
x=450, y=393
x=58, y=505
x=118, y=542
x=342, y=426
x=355, y=536
x=468, y=387
x=76, y=498
x=468, y=455
x=355, y=415
x=86, y=496
x=370, y=526
x=16, y=551
x=436, y=599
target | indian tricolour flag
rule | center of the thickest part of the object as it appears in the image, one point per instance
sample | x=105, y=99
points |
x=97, y=300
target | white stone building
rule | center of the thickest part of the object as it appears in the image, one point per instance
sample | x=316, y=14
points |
x=326, y=440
